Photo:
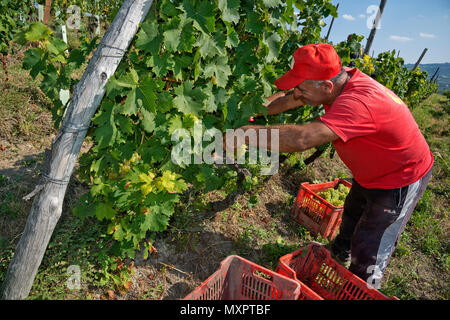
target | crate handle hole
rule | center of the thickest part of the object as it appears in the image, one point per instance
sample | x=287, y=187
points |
x=263, y=275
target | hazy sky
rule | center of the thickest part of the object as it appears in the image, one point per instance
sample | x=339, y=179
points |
x=406, y=25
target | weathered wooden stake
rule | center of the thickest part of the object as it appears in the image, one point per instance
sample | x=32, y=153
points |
x=87, y=95
x=48, y=6
x=436, y=79
x=434, y=75
x=374, y=27
x=420, y=58
x=331, y=25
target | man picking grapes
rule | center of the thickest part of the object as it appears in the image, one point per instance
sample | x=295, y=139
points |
x=376, y=137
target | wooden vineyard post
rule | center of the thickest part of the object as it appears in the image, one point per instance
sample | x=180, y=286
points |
x=331, y=25
x=87, y=95
x=48, y=6
x=374, y=27
x=434, y=75
x=436, y=79
x=420, y=58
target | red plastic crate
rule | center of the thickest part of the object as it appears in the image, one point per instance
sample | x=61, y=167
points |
x=314, y=212
x=240, y=279
x=313, y=266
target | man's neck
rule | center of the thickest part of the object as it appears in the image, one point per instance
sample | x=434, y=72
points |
x=339, y=87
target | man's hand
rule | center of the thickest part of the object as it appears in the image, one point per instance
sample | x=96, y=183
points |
x=280, y=102
x=275, y=96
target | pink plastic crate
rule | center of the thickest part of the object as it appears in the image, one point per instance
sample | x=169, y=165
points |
x=313, y=266
x=240, y=279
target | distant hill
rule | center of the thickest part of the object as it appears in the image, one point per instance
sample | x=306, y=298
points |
x=444, y=74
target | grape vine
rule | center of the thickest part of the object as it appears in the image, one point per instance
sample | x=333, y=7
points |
x=12, y=19
x=191, y=62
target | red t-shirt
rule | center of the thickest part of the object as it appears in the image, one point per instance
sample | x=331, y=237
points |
x=380, y=142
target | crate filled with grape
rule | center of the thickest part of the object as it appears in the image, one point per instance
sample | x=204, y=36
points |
x=319, y=206
x=335, y=196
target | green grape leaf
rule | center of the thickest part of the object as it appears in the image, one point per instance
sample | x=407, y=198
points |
x=208, y=46
x=189, y=99
x=36, y=60
x=232, y=107
x=188, y=37
x=155, y=221
x=124, y=123
x=98, y=187
x=164, y=101
x=254, y=24
x=203, y=15
x=128, y=80
x=50, y=81
x=106, y=132
x=175, y=123
x=211, y=103
x=207, y=175
x=230, y=10
x=37, y=31
x=161, y=207
x=141, y=94
x=272, y=3
x=104, y=211
x=170, y=182
x=32, y=57
x=232, y=38
x=161, y=121
x=153, y=151
x=172, y=39
x=181, y=63
x=146, y=93
x=245, y=59
x=148, y=38
x=161, y=64
x=216, y=98
x=273, y=43
x=220, y=69
x=129, y=107
x=86, y=207
x=246, y=84
x=169, y=9
x=220, y=39
x=119, y=233
x=56, y=46
x=148, y=121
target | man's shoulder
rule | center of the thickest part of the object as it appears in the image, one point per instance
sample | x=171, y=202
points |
x=360, y=85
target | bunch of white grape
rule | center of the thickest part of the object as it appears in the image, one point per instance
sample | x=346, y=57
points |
x=335, y=196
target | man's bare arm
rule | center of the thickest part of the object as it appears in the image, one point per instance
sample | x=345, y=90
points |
x=293, y=138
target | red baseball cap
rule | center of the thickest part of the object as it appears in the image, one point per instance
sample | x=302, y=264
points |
x=314, y=62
